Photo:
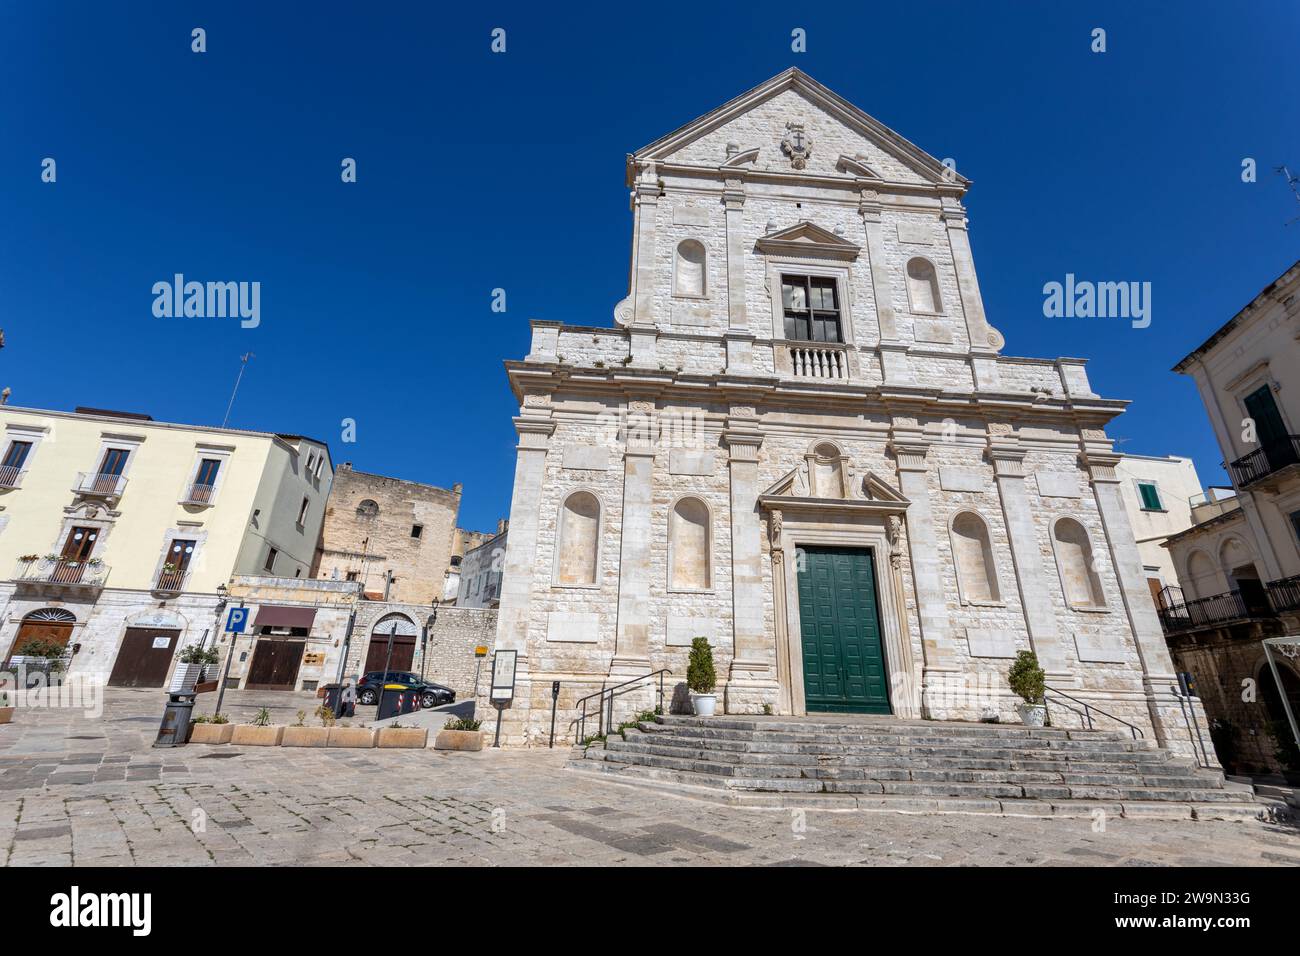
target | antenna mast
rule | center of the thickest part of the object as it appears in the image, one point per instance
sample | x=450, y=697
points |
x=243, y=364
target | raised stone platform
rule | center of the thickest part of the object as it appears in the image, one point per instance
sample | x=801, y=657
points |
x=881, y=763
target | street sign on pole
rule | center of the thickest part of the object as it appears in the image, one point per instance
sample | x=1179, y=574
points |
x=237, y=622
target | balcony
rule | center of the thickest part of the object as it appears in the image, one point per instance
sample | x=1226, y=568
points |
x=11, y=476
x=199, y=494
x=170, y=582
x=91, y=484
x=1266, y=461
x=1284, y=595
x=824, y=362
x=1217, y=610
x=62, y=573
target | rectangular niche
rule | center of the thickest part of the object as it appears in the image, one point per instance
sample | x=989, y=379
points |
x=1057, y=484
x=683, y=461
x=952, y=478
x=690, y=216
x=1099, y=647
x=586, y=458
x=690, y=314
x=990, y=643
x=682, y=630
x=918, y=233
x=935, y=331
x=573, y=627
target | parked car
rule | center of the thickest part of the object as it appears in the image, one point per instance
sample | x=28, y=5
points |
x=431, y=694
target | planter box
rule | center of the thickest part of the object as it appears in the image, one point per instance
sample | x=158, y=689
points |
x=416, y=737
x=250, y=735
x=471, y=740
x=351, y=737
x=184, y=677
x=6, y=714
x=305, y=737
x=206, y=733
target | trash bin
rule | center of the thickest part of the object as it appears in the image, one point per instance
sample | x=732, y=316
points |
x=398, y=699
x=175, y=727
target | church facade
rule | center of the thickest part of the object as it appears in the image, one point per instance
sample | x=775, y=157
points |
x=801, y=440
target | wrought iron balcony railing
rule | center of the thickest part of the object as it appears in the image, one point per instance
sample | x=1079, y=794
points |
x=11, y=476
x=1284, y=594
x=1216, y=609
x=90, y=574
x=96, y=484
x=199, y=494
x=171, y=582
x=1266, y=460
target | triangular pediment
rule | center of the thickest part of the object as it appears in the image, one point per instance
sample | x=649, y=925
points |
x=808, y=239
x=866, y=488
x=758, y=122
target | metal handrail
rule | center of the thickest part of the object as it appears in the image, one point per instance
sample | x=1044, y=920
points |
x=581, y=703
x=1189, y=718
x=1088, y=709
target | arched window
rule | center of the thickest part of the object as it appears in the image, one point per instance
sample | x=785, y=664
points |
x=923, y=286
x=977, y=575
x=828, y=471
x=689, y=546
x=1074, y=560
x=688, y=277
x=576, y=560
x=368, y=509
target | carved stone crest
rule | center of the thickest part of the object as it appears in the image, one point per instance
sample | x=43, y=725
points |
x=895, y=533
x=797, y=145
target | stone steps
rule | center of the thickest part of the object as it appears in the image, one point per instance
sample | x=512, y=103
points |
x=879, y=764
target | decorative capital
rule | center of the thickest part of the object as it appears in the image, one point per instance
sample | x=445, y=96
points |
x=910, y=454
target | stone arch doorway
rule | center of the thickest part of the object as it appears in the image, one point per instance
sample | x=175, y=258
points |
x=45, y=627
x=402, y=631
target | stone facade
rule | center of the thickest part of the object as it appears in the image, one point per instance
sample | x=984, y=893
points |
x=480, y=572
x=376, y=527
x=803, y=362
x=1239, y=564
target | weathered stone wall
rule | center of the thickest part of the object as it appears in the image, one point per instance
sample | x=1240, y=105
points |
x=372, y=545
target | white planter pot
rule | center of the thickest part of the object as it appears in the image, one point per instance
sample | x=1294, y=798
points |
x=704, y=704
x=184, y=678
x=1032, y=715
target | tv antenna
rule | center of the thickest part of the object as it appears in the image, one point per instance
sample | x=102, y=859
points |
x=1294, y=182
x=243, y=364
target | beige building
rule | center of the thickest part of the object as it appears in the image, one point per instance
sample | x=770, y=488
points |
x=1239, y=565
x=116, y=530
x=395, y=537
x=480, y=571
x=801, y=440
x=1159, y=493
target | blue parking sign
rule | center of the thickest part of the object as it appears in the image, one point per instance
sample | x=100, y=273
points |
x=237, y=621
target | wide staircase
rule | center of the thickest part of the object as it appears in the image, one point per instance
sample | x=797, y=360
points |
x=913, y=766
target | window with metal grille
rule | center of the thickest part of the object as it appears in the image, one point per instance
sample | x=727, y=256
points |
x=812, y=308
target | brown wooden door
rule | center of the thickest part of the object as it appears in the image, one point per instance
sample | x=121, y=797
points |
x=275, y=664
x=144, y=659
x=43, y=631
x=403, y=653
x=76, y=552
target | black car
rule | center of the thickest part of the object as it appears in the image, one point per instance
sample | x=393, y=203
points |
x=431, y=694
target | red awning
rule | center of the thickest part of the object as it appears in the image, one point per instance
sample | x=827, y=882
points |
x=279, y=615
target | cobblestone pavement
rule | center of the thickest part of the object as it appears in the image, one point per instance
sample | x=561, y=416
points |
x=93, y=791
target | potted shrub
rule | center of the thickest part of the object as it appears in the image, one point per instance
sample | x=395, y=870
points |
x=396, y=735
x=1028, y=681
x=460, y=733
x=216, y=729
x=258, y=733
x=701, y=679
x=189, y=669
x=6, y=710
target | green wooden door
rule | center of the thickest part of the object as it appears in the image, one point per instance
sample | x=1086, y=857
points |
x=843, y=661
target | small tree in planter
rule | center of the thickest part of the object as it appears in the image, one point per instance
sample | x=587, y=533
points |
x=701, y=678
x=1028, y=681
x=189, y=669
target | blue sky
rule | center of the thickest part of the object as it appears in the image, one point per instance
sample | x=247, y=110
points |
x=478, y=171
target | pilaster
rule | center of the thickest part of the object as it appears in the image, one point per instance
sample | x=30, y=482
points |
x=733, y=201
x=982, y=337
x=751, y=664
x=632, y=636
x=1031, y=579
x=870, y=209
